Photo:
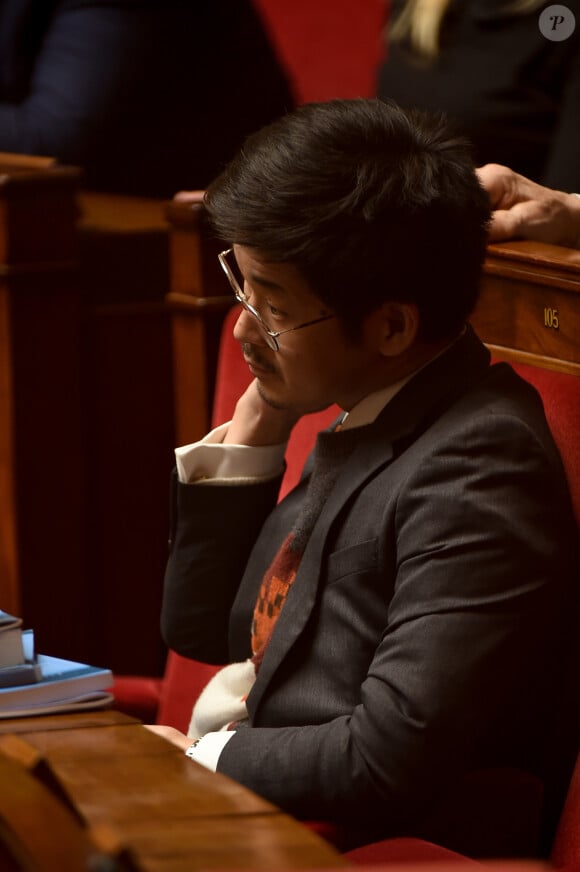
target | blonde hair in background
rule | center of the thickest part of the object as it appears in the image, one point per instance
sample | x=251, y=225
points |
x=420, y=22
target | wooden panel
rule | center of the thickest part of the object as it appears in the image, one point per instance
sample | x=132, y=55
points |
x=150, y=337
x=70, y=721
x=37, y=832
x=9, y=569
x=41, y=828
x=198, y=300
x=170, y=812
x=529, y=308
x=40, y=417
x=101, y=336
x=268, y=842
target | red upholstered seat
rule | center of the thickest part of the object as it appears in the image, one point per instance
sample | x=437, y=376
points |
x=138, y=695
x=182, y=683
x=560, y=394
x=405, y=850
x=566, y=848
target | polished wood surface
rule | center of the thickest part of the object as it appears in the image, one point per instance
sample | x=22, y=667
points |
x=198, y=300
x=172, y=814
x=120, y=214
x=529, y=309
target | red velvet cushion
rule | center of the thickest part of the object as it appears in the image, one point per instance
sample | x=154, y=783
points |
x=138, y=696
x=232, y=375
x=560, y=394
x=330, y=48
x=405, y=850
x=183, y=682
x=566, y=848
x=168, y=700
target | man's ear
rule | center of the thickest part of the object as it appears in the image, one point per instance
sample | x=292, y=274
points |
x=397, y=328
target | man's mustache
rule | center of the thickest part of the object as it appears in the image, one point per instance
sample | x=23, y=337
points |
x=253, y=356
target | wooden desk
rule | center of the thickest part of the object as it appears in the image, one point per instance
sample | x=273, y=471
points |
x=529, y=307
x=174, y=814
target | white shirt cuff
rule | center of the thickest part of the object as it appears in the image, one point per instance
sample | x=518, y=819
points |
x=209, y=461
x=208, y=749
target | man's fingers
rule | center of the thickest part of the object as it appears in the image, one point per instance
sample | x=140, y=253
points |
x=505, y=224
x=494, y=178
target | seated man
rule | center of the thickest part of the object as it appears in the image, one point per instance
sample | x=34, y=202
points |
x=400, y=618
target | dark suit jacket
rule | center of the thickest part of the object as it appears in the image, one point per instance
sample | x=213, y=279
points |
x=424, y=633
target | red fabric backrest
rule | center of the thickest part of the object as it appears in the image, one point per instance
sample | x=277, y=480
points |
x=560, y=394
x=330, y=48
x=566, y=847
x=233, y=375
x=182, y=683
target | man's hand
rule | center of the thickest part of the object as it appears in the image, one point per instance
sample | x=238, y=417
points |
x=256, y=422
x=189, y=196
x=526, y=210
x=171, y=734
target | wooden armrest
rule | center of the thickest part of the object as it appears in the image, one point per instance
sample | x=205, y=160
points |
x=40, y=828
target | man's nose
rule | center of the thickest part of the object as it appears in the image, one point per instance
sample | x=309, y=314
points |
x=247, y=329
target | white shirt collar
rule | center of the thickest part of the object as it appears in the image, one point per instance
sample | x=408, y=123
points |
x=369, y=408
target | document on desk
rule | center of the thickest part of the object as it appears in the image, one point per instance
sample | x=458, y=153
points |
x=65, y=686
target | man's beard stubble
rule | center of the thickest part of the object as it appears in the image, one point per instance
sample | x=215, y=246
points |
x=281, y=407
x=250, y=354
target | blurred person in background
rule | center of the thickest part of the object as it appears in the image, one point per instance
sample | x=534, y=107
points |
x=147, y=96
x=497, y=69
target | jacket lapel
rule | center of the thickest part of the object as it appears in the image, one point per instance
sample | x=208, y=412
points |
x=420, y=402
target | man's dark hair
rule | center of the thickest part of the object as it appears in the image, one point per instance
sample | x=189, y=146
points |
x=370, y=202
